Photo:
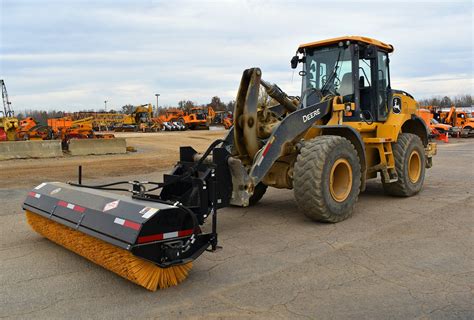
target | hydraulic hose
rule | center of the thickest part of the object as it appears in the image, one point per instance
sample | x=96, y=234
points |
x=276, y=93
x=159, y=185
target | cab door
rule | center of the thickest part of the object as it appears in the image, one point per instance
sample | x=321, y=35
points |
x=373, y=84
x=382, y=88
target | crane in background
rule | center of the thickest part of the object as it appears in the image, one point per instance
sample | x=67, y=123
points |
x=8, y=122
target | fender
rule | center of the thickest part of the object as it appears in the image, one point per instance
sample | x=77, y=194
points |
x=417, y=126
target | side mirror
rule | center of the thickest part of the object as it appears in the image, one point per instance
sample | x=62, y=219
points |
x=370, y=52
x=294, y=62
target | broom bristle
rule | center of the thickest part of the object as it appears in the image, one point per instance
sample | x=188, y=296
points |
x=120, y=261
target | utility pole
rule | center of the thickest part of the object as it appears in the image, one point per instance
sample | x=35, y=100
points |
x=157, y=108
x=105, y=105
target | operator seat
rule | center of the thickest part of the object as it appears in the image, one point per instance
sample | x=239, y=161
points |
x=346, y=89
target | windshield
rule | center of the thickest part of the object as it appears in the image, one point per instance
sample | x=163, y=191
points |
x=329, y=70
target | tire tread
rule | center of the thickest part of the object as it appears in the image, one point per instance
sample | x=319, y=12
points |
x=308, y=184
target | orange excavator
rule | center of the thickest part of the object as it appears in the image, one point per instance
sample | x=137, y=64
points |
x=66, y=129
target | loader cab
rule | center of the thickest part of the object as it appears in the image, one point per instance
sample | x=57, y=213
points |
x=356, y=70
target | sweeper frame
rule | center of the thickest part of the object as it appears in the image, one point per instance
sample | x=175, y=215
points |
x=163, y=229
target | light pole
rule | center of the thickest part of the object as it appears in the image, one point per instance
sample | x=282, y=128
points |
x=157, y=95
x=105, y=105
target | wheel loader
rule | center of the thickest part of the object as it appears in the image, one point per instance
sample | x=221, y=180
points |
x=196, y=118
x=347, y=126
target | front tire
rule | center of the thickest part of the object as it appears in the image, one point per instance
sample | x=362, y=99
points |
x=409, y=155
x=327, y=178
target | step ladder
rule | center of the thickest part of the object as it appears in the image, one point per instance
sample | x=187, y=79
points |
x=387, y=160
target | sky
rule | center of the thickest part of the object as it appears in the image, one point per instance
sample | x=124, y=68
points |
x=69, y=55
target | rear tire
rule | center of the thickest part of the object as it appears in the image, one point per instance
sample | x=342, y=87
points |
x=409, y=155
x=327, y=178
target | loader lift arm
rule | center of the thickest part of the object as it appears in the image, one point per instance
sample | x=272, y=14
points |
x=257, y=157
x=290, y=128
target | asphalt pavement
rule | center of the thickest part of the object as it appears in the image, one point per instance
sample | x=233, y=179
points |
x=395, y=258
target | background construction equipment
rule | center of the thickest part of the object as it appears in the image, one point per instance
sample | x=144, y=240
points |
x=196, y=118
x=8, y=121
x=440, y=131
x=457, y=118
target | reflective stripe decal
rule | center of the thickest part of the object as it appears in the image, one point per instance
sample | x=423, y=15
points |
x=184, y=233
x=132, y=225
x=127, y=223
x=119, y=221
x=148, y=212
x=71, y=206
x=153, y=237
x=163, y=236
x=265, y=151
x=170, y=235
x=62, y=203
x=34, y=194
x=40, y=186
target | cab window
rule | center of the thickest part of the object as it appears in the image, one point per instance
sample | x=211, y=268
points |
x=382, y=85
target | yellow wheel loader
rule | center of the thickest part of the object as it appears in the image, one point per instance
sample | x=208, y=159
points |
x=347, y=126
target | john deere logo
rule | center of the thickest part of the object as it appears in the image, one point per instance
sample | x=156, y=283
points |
x=397, y=105
x=311, y=115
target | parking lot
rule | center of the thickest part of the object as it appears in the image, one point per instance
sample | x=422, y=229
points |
x=396, y=258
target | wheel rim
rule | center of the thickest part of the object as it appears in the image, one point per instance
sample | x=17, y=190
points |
x=414, y=166
x=340, y=183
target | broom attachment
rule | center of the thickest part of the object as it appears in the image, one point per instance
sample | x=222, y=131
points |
x=147, y=238
x=120, y=261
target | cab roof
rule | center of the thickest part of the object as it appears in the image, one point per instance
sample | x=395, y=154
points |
x=323, y=43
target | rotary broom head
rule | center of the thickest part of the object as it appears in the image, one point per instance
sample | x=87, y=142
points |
x=120, y=261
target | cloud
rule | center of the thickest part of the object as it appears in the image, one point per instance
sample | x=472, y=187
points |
x=452, y=84
x=57, y=54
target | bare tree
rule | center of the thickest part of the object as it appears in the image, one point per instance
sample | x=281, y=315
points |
x=230, y=106
x=217, y=104
x=459, y=101
x=186, y=105
x=127, y=109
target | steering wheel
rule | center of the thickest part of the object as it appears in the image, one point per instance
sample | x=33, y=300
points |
x=331, y=88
